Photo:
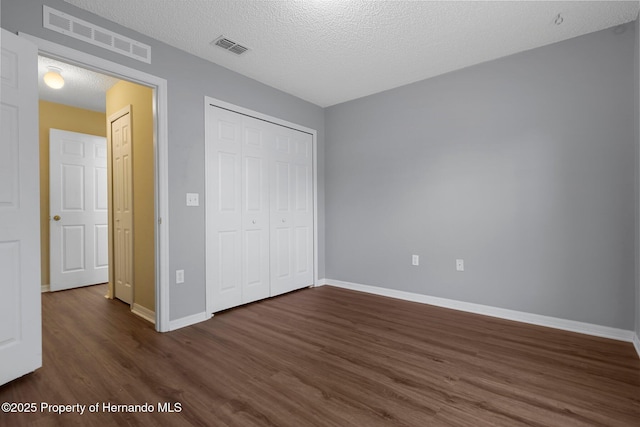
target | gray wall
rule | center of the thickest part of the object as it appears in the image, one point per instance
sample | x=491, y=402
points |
x=523, y=166
x=189, y=80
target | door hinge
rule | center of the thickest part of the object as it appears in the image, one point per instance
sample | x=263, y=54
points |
x=159, y=220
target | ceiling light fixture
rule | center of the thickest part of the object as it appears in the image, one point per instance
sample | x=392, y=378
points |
x=53, y=78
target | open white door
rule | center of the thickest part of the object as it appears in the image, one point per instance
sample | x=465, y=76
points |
x=78, y=204
x=20, y=312
x=119, y=132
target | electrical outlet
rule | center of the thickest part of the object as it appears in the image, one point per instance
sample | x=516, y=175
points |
x=193, y=199
x=179, y=276
x=415, y=260
x=459, y=265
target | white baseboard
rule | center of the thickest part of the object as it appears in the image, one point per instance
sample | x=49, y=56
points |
x=45, y=288
x=322, y=282
x=144, y=312
x=636, y=343
x=502, y=313
x=188, y=320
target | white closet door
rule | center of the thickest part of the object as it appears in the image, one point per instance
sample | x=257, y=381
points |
x=224, y=209
x=302, y=209
x=257, y=141
x=291, y=211
x=259, y=209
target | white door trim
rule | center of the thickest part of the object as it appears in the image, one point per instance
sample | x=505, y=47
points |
x=314, y=133
x=161, y=150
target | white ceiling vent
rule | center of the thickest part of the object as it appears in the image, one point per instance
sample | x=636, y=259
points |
x=229, y=45
x=82, y=30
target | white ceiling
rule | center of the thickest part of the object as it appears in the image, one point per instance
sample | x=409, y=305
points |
x=332, y=51
x=82, y=88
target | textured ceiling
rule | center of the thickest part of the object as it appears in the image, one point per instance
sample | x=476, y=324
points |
x=328, y=52
x=82, y=88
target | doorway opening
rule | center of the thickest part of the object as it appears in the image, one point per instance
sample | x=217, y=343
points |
x=97, y=201
x=159, y=182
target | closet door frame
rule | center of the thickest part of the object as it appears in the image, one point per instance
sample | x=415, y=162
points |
x=210, y=103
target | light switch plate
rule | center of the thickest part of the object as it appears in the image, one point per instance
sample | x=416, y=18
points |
x=459, y=265
x=415, y=260
x=193, y=199
x=179, y=276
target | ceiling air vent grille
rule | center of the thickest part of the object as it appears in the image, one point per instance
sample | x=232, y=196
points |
x=230, y=45
x=82, y=30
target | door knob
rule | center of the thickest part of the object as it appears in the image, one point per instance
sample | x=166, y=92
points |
x=253, y=222
x=284, y=220
x=57, y=218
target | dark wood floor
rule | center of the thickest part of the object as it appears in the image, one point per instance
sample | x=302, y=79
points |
x=324, y=357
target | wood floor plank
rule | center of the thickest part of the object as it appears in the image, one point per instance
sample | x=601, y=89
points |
x=324, y=357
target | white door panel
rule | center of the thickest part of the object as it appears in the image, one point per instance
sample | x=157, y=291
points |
x=78, y=209
x=303, y=210
x=228, y=266
x=302, y=240
x=292, y=212
x=20, y=312
x=122, y=170
x=281, y=191
x=255, y=281
x=73, y=248
x=228, y=182
x=282, y=253
x=256, y=144
x=101, y=251
x=224, y=208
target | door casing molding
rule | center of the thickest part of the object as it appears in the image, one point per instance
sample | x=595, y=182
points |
x=160, y=150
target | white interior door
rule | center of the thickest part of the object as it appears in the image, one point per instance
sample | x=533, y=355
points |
x=78, y=209
x=20, y=312
x=257, y=142
x=291, y=211
x=224, y=209
x=121, y=152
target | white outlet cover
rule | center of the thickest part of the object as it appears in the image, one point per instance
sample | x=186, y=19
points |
x=179, y=276
x=193, y=199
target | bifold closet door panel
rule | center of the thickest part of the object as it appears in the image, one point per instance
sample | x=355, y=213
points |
x=224, y=209
x=302, y=209
x=257, y=143
x=281, y=219
x=291, y=211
